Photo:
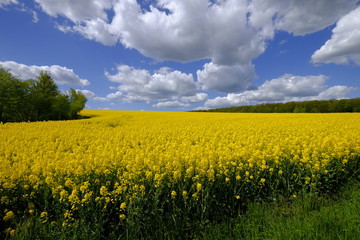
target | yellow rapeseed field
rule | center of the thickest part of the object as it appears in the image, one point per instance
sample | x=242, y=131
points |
x=117, y=161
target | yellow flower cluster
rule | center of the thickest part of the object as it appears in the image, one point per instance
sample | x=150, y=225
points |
x=115, y=156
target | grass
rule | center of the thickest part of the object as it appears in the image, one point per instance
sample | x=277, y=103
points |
x=305, y=217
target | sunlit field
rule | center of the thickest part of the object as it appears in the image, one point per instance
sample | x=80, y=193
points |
x=143, y=174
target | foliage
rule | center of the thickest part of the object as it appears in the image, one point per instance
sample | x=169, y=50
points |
x=77, y=103
x=304, y=217
x=14, y=97
x=36, y=100
x=159, y=175
x=325, y=106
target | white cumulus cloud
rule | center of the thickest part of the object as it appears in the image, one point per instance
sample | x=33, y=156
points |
x=89, y=18
x=344, y=45
x=87, y=93
x=91, y=95
x=297, y=17
x=180, y=30
x=78, y=10
x=335, y=92
x=61, y=75
x=115, y=96
x=3, y=3
x=226, y=79
x=228, y=32
x=141, y=85
x=94, y=29
x=284, y=89
x=171, y=104
x=188, y=30
x=199, y=97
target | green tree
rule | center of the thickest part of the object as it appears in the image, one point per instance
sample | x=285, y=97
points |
x=344, y=105
x=77, y=103
x=14, y=97
x=36, y=99
x=61, y=108
x=5, y=92
x=44, y=94
x=299, y=110
x=355, y=104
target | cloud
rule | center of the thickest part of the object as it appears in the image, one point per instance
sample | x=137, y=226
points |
x=199, y=97
x=61, y=75
x=335, y=92
x=187, y=30
x=284, y=89
x=290, y=85
x=34, y=14
x=91, y=21
x=87, y=93
x=216, y=103
x=76, y=11
x=296, y=17
x=20, y=7
x=180, y=30
x=3, y=3
x=91, y=95
x=95, y=29
x=137, y=85
x=231, y=32
x=171, y=104
x=101, y=99
x=344, y=45
x=115, y=96
x=226, y=79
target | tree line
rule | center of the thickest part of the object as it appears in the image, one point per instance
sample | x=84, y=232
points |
x=36, y=99
x=316, y=106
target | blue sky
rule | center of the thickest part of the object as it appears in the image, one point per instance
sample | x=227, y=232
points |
x=180, y=55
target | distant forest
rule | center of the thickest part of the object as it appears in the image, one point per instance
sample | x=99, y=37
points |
x=36, y=99
x=325, y=106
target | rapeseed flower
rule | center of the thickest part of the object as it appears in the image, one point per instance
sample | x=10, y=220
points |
x=8, y=216
x=90, y=162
